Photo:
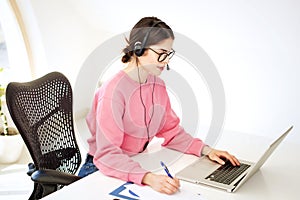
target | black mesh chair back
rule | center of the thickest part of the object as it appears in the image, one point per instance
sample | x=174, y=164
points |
x=42, y=112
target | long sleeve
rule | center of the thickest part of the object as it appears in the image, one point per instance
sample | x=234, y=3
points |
x=118, y=129
x=109, y=157
x=176, y=137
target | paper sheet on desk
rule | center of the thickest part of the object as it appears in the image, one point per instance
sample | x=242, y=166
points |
x=133, y=191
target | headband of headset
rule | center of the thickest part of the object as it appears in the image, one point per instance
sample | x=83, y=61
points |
x=139, y=47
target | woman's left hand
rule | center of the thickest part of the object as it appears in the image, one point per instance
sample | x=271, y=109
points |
x=219, y=156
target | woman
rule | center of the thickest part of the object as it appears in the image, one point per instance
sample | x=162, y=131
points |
x=133, y=107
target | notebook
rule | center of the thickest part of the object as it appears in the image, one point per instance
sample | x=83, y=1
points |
x=225, y=177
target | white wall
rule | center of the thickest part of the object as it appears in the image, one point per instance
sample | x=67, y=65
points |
x=254, y=44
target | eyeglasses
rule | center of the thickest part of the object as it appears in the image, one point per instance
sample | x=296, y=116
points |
x=164, y=55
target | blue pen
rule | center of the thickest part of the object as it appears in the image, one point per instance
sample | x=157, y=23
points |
x=166, y=169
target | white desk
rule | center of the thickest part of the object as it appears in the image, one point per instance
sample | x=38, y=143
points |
x=277, y=179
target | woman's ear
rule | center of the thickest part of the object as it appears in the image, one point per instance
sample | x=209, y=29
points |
x=146, y=52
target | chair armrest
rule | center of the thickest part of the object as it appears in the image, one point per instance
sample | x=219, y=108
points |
x=49, y=176
x=31, y=169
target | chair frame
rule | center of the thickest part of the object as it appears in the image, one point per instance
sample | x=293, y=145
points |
x=52, y=167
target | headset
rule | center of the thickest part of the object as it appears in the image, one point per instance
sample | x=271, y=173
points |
x=139, y=47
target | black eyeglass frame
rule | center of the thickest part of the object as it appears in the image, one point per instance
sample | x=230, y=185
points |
x=162, y=56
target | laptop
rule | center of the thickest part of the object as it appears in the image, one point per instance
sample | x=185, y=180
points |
x=225, y=177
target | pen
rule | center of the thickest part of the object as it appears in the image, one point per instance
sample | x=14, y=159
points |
x=166, y=169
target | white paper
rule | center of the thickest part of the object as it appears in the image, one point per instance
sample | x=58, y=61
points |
x=147, y=193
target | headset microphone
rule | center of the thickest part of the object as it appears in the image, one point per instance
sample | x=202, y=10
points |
x=168, y=68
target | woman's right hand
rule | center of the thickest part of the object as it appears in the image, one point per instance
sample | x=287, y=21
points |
x=161, y=183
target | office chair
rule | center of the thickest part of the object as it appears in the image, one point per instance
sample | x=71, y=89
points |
x=42, y=112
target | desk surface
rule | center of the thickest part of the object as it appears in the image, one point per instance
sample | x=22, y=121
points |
x=277, y=179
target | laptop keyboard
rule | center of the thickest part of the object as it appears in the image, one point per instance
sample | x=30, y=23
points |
x=227, y=173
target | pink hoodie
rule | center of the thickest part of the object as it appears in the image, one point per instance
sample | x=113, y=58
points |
x=116, y=122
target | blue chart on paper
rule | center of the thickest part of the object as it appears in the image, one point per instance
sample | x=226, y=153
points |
x=130, y=191
x=124, y=192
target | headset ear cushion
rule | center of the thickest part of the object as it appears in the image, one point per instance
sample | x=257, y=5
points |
x=138, y=49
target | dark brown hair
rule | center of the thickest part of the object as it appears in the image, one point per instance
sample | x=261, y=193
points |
x=160, y=31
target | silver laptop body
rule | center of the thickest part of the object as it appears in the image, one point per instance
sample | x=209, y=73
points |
x=202, y=170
